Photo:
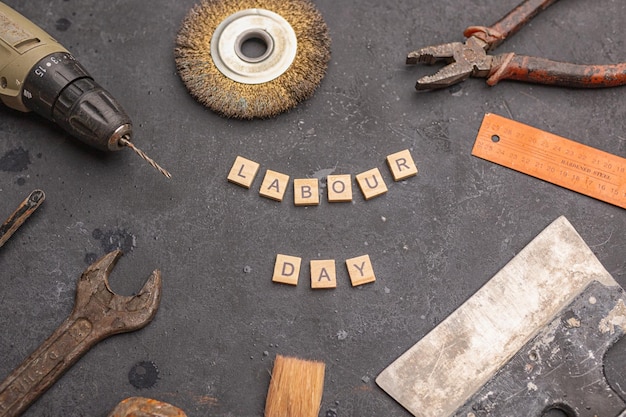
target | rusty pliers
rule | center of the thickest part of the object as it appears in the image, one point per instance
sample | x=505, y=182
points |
x=470, y=58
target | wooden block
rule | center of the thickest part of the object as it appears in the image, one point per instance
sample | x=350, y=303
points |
x=401, y=165
x=306, y=192
x=274, y=185
x=360, y=270
x=243, y=172
x=371, y=183
x=339, y=188
x=323, y=274
x=287, y=269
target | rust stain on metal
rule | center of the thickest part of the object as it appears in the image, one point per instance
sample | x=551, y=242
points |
x=145, y=407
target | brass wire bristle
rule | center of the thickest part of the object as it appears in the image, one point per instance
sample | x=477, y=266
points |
x=296, y=388
x=230, y=98
x=125, y=142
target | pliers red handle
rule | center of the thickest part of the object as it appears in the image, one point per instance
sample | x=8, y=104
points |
x=470, y=58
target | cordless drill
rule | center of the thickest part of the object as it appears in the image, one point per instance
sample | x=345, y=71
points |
x=38, y=74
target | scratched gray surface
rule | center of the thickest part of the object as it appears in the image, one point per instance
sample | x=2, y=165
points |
x=433, y=239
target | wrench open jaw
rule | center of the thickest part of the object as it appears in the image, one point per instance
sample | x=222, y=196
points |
x=98, y=313
x=114, y=313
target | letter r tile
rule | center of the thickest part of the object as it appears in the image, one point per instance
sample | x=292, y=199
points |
x=243, y=172
x=401, y=165
x=360, y=270
x=371, y=183
x=287, y=269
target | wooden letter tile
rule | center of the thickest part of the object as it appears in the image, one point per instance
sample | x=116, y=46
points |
x=371, y=183
x=306, y=192
x=339, y=188
x=243, y=172
x=274, y=185
x=360, y=270
x=323, y=274
x=287, y=269
x=401, y=165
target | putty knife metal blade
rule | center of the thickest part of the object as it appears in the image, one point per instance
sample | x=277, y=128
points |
x=553, y=279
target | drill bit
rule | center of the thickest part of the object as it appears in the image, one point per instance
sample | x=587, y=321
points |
x=126, y=142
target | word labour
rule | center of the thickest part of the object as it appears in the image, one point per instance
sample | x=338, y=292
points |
x=323, y=272
x=306, y=190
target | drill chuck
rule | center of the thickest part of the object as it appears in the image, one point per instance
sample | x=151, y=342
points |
x=38, y=74
x=60, y=89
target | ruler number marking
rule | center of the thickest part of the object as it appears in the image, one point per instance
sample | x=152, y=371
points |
x=544, y=158
x=553, y=158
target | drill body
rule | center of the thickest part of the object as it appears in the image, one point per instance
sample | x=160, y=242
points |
x=38, y=74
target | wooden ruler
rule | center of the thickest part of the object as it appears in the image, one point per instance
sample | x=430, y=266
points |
x=549, y=157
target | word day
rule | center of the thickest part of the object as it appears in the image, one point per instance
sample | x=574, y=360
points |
x=306, y=190
x=323, y=272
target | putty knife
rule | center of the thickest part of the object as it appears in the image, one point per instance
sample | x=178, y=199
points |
x=531, y=340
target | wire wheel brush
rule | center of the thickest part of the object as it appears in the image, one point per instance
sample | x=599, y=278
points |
x=252, y=58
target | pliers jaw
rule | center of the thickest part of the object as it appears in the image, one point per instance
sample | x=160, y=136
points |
x=463, y=59
x=470, y=59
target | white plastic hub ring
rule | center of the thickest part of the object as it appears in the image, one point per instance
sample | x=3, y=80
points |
x=263, y=26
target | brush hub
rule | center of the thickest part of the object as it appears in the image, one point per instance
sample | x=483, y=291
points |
x=270, y=31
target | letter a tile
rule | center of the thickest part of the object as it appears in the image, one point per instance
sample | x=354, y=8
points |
x=243, y=172
x=371, y=183
x=274, y=185
x=287, y=269
x=323, y=274
x=360, y=270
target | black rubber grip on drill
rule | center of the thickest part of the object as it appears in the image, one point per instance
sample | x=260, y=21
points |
x=60, y=89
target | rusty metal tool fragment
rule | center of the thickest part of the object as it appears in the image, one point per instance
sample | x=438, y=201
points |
x=98, y=313
x=470, y=58
x=530, y=341
x=145, y=407
x=19, y=216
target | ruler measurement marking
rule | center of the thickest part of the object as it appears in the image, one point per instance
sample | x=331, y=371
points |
x=552, y=158
x=595, y=164
x=594, y=168
x=597, y=174
x=567, y=166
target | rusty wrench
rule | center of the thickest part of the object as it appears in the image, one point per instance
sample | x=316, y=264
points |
x=470, y=58
x=98, y=313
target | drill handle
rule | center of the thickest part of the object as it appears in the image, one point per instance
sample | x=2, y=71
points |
x=22, y=45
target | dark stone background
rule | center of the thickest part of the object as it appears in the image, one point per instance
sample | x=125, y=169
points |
x=433, y=239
